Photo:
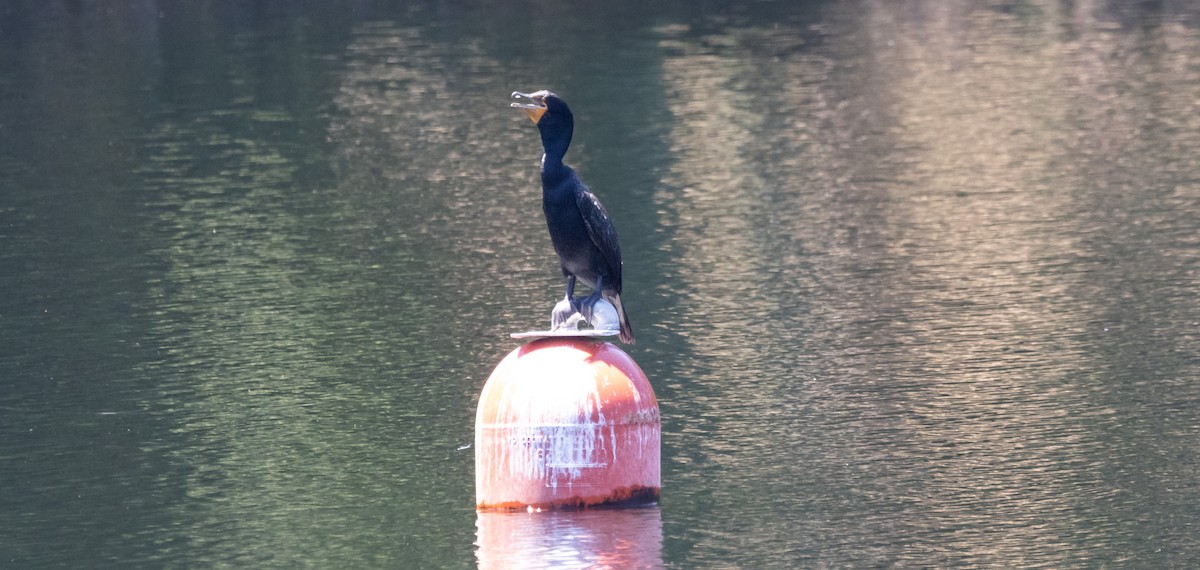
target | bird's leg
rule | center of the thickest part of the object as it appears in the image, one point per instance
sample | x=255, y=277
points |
x=587, y=303
x=567, y=307
x=571, y=288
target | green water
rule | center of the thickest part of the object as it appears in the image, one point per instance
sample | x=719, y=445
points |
x=916, y=283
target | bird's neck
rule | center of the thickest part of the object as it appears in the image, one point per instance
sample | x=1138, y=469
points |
x=555, y=141
x=554, y=175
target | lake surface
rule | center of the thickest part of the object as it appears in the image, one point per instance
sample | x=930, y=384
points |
x=916, y=283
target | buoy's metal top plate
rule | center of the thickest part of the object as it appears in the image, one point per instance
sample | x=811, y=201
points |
x=605, y=323
x=568, y=332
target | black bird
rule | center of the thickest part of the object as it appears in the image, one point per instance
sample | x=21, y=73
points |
x=584, y=237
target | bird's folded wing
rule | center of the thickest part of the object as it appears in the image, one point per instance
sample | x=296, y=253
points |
x=602, y=232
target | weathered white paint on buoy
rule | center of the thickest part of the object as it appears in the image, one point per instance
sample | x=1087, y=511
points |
x=566, y=423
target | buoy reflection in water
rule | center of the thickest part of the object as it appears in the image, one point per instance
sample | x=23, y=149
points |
x=600, y=538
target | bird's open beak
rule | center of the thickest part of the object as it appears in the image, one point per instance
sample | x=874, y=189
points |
x=532, y=103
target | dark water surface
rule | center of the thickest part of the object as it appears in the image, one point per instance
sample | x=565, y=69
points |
x=916, y=282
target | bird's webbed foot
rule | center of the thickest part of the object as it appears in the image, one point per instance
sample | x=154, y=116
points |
x=565, y=314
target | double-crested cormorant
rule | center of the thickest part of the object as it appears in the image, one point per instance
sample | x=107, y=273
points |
x=583, y=236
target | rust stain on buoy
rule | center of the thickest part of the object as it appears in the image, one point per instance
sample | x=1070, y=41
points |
x=566, y=423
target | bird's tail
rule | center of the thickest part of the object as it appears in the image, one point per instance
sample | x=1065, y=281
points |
x=626, y=329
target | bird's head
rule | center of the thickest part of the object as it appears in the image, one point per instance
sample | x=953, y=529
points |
x=543, y=107
x=553, y=119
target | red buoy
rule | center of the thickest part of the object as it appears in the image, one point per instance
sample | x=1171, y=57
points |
x=566, y=423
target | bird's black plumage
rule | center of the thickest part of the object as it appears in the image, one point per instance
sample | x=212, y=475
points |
x=582, y=233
